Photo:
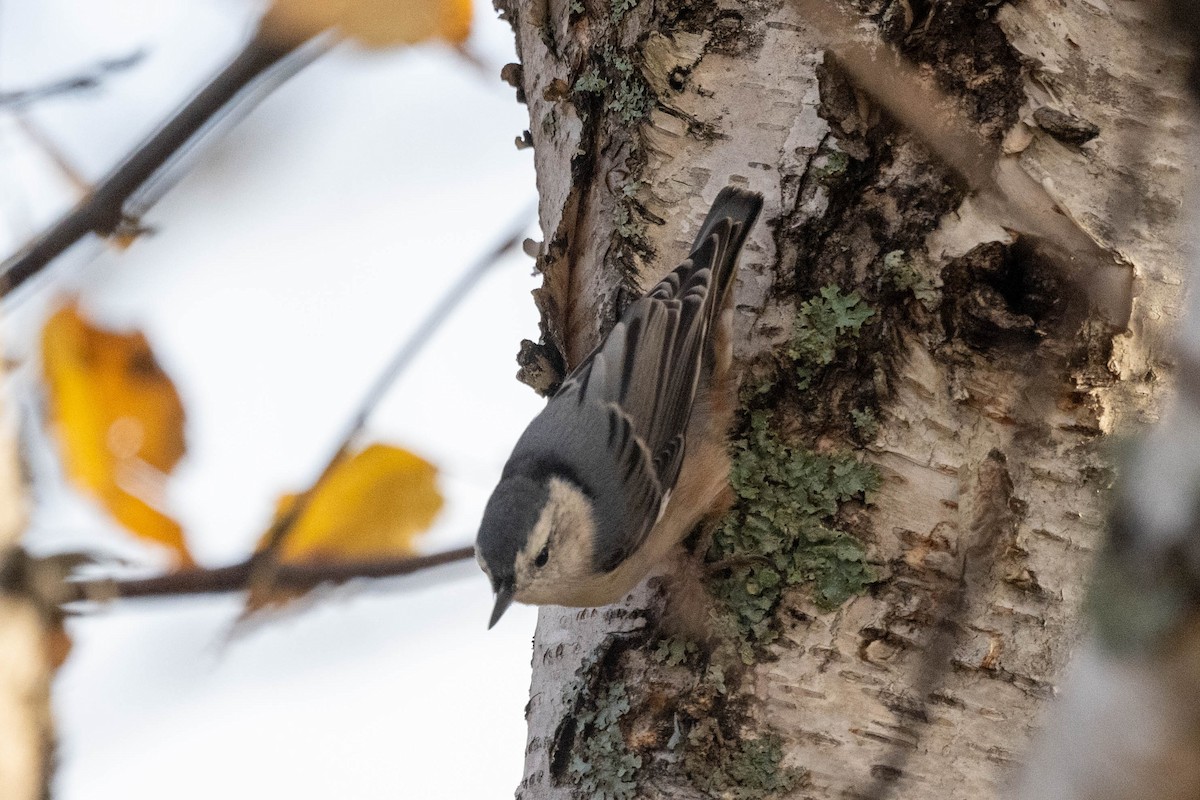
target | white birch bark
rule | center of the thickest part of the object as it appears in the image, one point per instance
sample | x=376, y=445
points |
x=992, y=456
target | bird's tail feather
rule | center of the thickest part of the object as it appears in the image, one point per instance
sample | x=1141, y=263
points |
x=738, y=209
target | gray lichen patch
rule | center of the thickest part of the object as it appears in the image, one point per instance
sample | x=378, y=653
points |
x=603, y=766
x=590, y=751
x=824, y=325
x=684, y=718
x=747, y=769
x=716, y=744
x=783, y=533
x=618, y=83
x=901, y=272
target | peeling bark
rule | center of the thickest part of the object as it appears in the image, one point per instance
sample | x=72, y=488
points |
x=981, y=388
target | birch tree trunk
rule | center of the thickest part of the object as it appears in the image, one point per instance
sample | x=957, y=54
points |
x=26, y=644
x=921, y=459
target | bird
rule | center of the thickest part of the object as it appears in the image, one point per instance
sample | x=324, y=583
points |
x=630, y=454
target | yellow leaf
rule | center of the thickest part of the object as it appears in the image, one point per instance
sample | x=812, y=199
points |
x=374, y=504
x=372, y=23
x=118, y=421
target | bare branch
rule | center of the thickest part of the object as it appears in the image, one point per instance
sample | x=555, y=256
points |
x=237, y=577
x=90, y=79
x=103, y=211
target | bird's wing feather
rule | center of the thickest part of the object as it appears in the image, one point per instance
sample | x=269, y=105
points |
x=646, y=371
x=635, y=470
x=651, y=360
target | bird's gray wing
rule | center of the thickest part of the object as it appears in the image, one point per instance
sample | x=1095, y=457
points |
x=642, y=491
x=646, y=371
x=650, y=363
x=645, y=375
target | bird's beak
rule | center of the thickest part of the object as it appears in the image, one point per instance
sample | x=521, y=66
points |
x=504, y=598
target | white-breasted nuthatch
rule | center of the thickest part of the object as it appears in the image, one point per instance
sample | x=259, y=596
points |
x=630, y=453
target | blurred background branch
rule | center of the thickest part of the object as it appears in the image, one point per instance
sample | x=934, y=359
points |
x=47, y=579
x=89, y=79
x=303, y=243
x=103, y=210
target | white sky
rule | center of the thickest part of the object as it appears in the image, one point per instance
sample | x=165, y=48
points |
x=288, y=266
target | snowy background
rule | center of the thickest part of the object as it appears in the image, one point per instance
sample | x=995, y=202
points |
x=288, y=264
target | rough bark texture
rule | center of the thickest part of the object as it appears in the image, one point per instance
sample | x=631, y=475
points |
x=980, y=388
x=25, y=727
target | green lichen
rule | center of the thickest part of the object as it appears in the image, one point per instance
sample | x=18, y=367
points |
x=618, y=61
x=780, y=532
x=830, y=166
x=598, y=761
x=751, y=769
x=673, y=650
x=591, y=83
x=601, y=765
x=824, y=325
x=620, y=8
x=901, y=272
x=618, y=80
x=865, y=422
x=708, y=741
x=714, y=676
x=626, y=224
x=631, y=101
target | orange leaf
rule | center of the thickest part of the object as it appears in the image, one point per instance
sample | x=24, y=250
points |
x=118, y=420
x=373, y=504
x=372, y=23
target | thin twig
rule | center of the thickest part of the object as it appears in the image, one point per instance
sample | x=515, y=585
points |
x=437, y=316
x=52, y=151
x=89, y=80
x=103, y=211
x=237, y=577
x=429, y=326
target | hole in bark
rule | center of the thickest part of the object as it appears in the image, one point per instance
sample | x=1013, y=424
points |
x=1032, y=284
x=1000, y=295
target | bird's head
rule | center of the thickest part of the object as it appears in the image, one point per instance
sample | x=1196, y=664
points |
x=536, y=541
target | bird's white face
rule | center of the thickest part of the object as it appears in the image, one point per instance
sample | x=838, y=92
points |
x=556, y=562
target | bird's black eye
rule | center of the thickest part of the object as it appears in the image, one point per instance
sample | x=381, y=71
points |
x=542, y=557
